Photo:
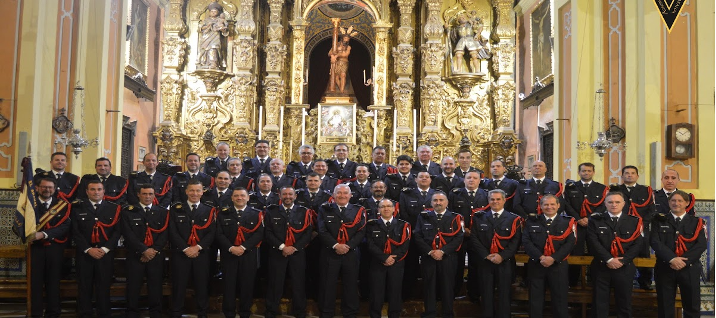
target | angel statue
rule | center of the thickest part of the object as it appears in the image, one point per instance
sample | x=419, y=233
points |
x=212, y=29
x=339, y=56
x=467, y=34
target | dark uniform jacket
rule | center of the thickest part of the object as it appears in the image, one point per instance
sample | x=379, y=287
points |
x=181, y=180
x=432, y=168
x=328, y=183
x=297, y=170
x=211, y=198
x=412, y=203
x=357, y=192
x=161, y=183
x=135, y=221
x=85, y=217
x=484, y=227
x=440, y=182
x=59, y=225
x=303, y=198
x=213, y=165
x=460, y=202
x=661, y=203
x=371, y=208
x=253, y=167
x=242, y=181
x=428, y=231
x=335, y=171
x=528, y=194
x=278, y=220
x=664, y=234
x=257, y=201
x=182, y=220
x=575, y=193
x=379, y=174
x=508, y=185
x=535, y=232
x=459, y=173
x=67, y=184
x=115, y=188
x=286, y=181
x=377, y=234
x=229, y=222
x=330, y=221
x=601, y=232
x=639, y=195
x=394, y=185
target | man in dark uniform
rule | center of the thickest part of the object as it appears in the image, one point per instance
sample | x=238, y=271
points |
x=497, y=264
x=312, y=196
x=370, y=204
x=327, y=182
x=438, y=234
x=669, y=183
x=213, y=165
x=341, y=168
x=464, y=160
x=263, y=197
x=639, y=201
x=679, y=240
x=237, y=179
x=464, y=201
x=288, y=232
x=397, y=182
x=378, y=168
x=144, y=228
x=614, y=238
x=67, y=183
x=300, y=169
x=447, y=180
x=500, y=181
x=530, y=191
x=181, y=179
x=47, y=248
x=115, y=187
x=548, y=239
x=388, y=241
x=372, y=212
x=413, y=201
x=239, y=231
x=96, y=231
x=425, y=162
x=220, y=195
x=583, y=198
x=161, y=183
x=191, y=232
x=341, y=227
x=360, y=187
x=259, y=164
x=281, y=179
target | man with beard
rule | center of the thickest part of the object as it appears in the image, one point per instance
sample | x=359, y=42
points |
x=669, y=182
x=263, y=197
x=447, y=180
x=397, y=182
x=378, y=168
x=161, y=182
x=115, y=187
x=259, y=164
x=67, y=183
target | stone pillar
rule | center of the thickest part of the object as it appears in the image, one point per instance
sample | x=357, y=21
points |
x=503, y=58
x=274, y=86
x=404, y=86
x=299, y=69
x=432, y=87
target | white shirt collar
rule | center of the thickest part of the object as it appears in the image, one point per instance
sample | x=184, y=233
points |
x=288, y=208
x=48, y=200
x=55, y=172
x=675, y=216
x=540, y=179
x=451, y=176
x=95, y=203
x=498, y=212
x=498, y=179
x=587, y=183
x=385, y=221
x=240, y=209
x=615, y=215
x=192, y=203
x=144, y=207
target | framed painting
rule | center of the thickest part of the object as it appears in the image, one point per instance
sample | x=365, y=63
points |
x=541, y=40
x=336, y=123
x=137, y=49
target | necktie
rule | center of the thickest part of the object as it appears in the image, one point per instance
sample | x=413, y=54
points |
x=59, y=176
x=614, y=220
x=449, y=180
x=387, y=224
x=238, y=212
x=193, y=175
x=262, y=161
x=305, y=167
x=146, y=209
x=342, y=210
x=440, y=216
x=221, y=193
x=47, y=206
x=549, y=222
x=265, y=196
x=233, y=179
x=538, y=182
x=630, y=188
x=495, y=216
x=472, y=195
x=96, y=206
x=497, y=183
x=360, y=186
x=678, y=222
x=424, y=193
x=405, y=179
x=313, y=195
x=585, y=185
x=104, y=179
x=193, y=207
x=342, y=165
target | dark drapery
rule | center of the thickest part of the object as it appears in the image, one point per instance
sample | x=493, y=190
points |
x=320, y=66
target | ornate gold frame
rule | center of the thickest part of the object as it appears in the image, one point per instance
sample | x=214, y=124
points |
x=330, y=108
x=129, y=69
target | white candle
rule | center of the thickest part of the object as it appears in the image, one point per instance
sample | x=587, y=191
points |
x=415, y=130
x=395, y=128
x=303, y=126
x=261, y=113
x=280, y=131
x=375, y=128
x=364, y=76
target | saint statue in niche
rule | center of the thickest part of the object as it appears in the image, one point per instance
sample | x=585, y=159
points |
x=339, y=56
x=212, y=29
x=467, y=36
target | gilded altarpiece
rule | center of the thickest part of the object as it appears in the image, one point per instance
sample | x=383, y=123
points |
x=442, y=77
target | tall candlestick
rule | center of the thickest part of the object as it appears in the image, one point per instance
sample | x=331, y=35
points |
x=261, y=115
x=303, y=126
x=395, y=128
x=363, y=76
x=280, y=132
x=415, y=130
x=375, y=128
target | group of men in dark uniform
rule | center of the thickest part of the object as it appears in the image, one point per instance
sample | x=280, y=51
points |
x=375, y=226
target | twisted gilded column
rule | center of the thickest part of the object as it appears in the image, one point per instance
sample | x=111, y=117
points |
x=404, y=85
x=432, y=98
x=274, y=85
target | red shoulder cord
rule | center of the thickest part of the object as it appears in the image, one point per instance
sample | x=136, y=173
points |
x=67, y=196
x=390, y=170
x=194, y=237
x=617, y=242
x=475, y=210
x=291, y=232
x=165, y=189
x=248, y=185
x=99, y=227
x=390, y=242
x=539, y=198
x=549, y=247
x=343, y=180
x=240, y=239
x=293, y=184
x=62, y=220
x=633, y=206
x=691, y=204
x=496, y=246
x=148, y=238
x=211, y=184
x=121, y=193
x=681, y=240
x=330, y=200
x=587, y=206
x=343, y=236
x=439, y=240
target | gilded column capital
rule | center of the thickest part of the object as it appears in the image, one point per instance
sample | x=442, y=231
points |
x=245, y=25
x=433, y=29
x=171, y=91
x=175, y=22
x=275, y=56
x=406, y=12
x=275, y=7
x=173, y=52
x=505, y=18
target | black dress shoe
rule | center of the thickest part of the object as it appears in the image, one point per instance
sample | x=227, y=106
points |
x=646, y=287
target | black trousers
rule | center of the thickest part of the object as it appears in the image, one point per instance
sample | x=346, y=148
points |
x=646, y=274
x=621, y=280
x=94, y=278
x=313, y=270
x=460, y=268
x=688, y=279
x=575, y=271
x=496, y=275
x=553, y=278
x=295, y=266
x=438, y=276
x=384, y=278
x=154, y=273
x=184, y=268
x=46, y=273
x=412, y=271
x=346, y=267
x=239, y=274
x=364, y=278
